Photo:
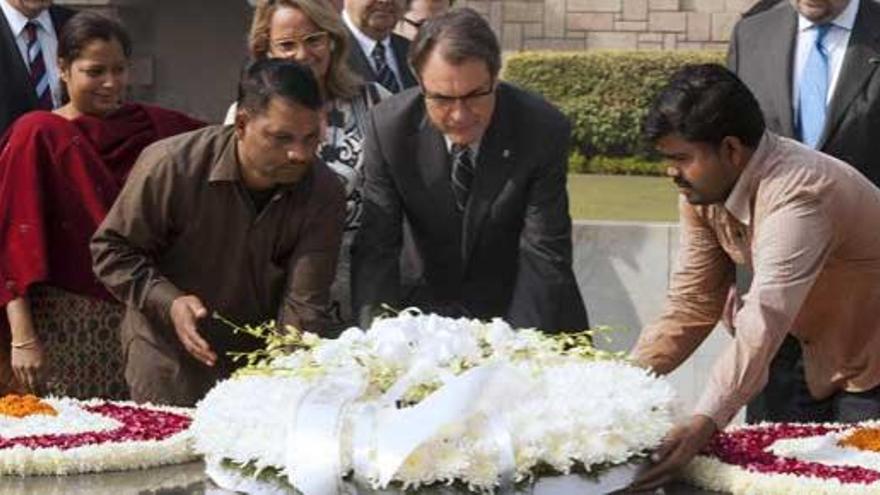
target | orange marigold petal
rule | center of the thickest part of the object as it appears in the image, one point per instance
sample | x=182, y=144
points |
x=20, y=406
x=863, y=439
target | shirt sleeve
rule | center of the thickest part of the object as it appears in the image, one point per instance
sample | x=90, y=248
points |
x=312, y=266
x=791, y=247
x=695, y=299
x=137, y=228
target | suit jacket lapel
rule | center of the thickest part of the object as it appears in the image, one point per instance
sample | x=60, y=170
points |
x=494, y=164
x=861, y=60
x=18, y=69
x=433, y=158
x=781, y=90
x=357, y=59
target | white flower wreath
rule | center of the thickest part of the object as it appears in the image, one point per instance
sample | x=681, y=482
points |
x=422, y=399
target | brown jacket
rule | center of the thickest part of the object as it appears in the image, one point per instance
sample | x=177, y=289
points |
x=185, y=224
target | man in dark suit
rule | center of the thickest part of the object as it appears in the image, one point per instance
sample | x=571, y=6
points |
x=478, y=169
x=18, y=93
x=377, y=54
x=813, y=68
x=764, y=53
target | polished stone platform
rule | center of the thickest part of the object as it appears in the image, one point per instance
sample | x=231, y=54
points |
x=185, y=479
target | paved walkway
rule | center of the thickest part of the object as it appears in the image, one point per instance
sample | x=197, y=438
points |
x=187, y=479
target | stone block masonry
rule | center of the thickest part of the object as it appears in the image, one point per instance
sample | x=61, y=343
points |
x=615, y=24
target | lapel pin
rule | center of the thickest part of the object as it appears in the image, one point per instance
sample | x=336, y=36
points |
x=505, y=154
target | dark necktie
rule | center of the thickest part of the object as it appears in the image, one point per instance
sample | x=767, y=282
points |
x=813, y=90
x=462, y=174
x=384, y=74
x=37, y=66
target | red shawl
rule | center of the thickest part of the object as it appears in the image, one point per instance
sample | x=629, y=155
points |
x=58, y=179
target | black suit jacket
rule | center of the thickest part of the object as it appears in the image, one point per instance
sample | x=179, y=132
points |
x=359, y=63
x=762, y=54
x=508, y=254
x=16, y=93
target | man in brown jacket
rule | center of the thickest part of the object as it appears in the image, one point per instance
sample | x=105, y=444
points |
x=238, y=220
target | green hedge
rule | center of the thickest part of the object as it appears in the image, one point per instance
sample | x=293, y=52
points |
x=605, y=94
x=614, y=165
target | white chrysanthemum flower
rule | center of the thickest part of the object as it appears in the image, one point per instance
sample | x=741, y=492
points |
x=498, y=334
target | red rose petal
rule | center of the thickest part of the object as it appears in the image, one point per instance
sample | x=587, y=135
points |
x=138, y=424
x=746, y=448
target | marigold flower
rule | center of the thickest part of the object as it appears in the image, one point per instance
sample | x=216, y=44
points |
x=863, y=439
x=20, y=406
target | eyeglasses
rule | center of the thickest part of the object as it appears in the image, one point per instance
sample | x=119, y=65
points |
x=314, y=42
x=447, y=102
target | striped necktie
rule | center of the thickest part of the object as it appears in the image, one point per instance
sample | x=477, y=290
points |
x=384, y=74
x=37, y=66
x=813, y=90
x=462, y=174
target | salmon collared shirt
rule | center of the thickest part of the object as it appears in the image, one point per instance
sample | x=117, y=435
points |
x=809, y=227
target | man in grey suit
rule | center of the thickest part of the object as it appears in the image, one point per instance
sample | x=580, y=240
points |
x=19, y=92
x=813, y=67
x=478, y=169
x=761, y=6
x=377, y=54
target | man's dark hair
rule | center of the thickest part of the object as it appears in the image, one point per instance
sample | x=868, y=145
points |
x=462, y=34
x=705, y=103
x=268, y=78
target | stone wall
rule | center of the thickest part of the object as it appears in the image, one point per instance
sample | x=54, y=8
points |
x=623, y=271
x=611, y=24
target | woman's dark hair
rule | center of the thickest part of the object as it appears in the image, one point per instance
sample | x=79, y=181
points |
x=461, y=34
x=268, y=78
x=85, y=27
x=705, y=103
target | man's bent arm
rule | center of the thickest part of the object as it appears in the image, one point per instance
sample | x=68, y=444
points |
x=695, y=300
x=376, y=253
x=136, y=229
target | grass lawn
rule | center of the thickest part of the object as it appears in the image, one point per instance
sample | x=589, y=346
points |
x=622, y=197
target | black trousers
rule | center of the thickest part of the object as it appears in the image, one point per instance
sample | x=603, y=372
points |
x=786, y=398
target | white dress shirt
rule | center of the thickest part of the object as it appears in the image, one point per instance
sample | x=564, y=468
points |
x=836, y=41
x=48, y=43
x=367, y=45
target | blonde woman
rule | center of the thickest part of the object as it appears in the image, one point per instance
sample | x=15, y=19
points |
x=311, y=33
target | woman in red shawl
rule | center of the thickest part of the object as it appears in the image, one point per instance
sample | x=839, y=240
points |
x=59, y=174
